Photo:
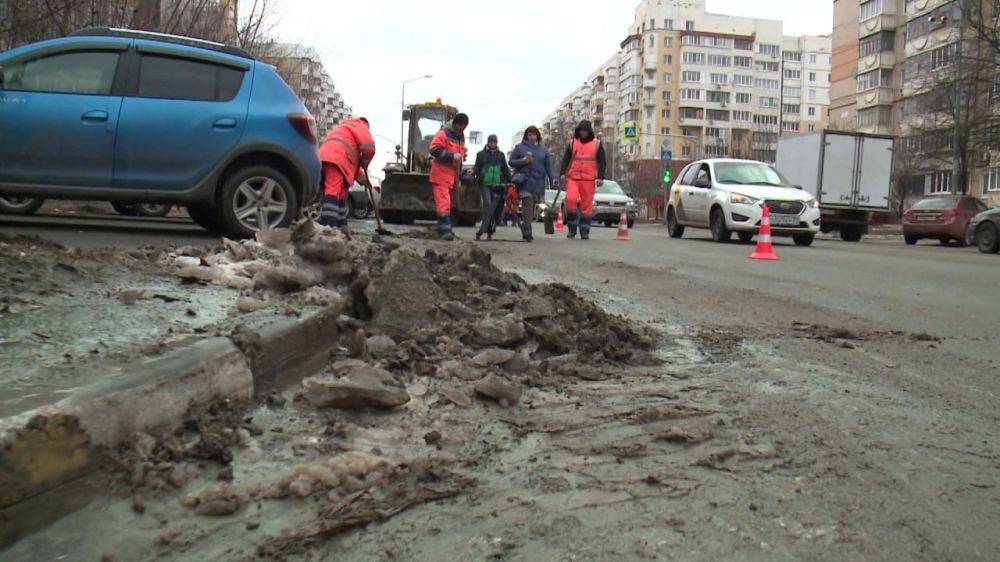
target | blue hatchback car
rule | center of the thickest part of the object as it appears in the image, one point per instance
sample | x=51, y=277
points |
x=136, y=117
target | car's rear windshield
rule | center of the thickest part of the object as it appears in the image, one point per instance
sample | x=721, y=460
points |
x=610, y=188
x=936, y=203
x=749, y=173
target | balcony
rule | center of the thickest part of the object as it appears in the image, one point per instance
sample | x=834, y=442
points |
x=876, y=96
x=883, y=22
x=884, y=59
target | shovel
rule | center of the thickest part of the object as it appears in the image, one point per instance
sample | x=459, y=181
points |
x=550, y=217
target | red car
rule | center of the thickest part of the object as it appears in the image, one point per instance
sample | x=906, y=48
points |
x=943, y=217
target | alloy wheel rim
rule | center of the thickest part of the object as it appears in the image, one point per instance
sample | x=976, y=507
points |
x=259, y=203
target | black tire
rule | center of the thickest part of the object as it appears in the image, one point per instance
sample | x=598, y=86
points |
x=278, y=211
x=745, y=237
x=359, y=212
x=207, y=217
x=988, y=238
x=804, y=239
x=155, y=210
x=851, y=234
x=674, y=229
x=720, y=233
x=910, y=239
x=17, y=205
x=126, y=209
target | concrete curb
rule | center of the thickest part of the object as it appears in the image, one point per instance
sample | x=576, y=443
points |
x=43, y=448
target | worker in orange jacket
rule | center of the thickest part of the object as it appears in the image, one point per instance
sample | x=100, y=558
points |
x=346, y=153
x=583, y=168
x=448, y=150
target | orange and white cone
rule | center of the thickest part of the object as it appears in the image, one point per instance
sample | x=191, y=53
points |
x=559, y=220
x=764, y=250
x=623, y=234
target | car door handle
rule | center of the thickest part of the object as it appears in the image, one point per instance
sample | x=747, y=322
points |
x=227, y=123
x=98, y=116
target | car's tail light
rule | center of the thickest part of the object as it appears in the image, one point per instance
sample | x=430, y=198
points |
x=305, y=125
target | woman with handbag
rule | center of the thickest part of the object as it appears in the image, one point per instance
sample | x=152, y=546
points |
x=533, y=167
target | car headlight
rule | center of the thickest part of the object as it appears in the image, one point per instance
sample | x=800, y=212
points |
x=813, y=202
x=740, y=199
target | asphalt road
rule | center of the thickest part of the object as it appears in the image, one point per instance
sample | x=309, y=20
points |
x=93, y=230
x=928, y=288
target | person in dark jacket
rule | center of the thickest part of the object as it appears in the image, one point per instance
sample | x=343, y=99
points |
x=493, y=175
x=583, y=167
x=533, y=162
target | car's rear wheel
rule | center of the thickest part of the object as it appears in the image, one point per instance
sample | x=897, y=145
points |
x=746, y=237
x=803, y=239
x=257, y=198
x=18, y=205
x=851, y=234
x=674, y=229
x=910, y=239
x=720, y=233
x=988, y=238
x=153, y=209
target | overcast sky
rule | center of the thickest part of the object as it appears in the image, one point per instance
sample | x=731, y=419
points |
x=505, y=63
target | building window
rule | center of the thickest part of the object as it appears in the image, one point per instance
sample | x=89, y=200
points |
x=938, y=182
x=693, y=58
x=743, y=62
x=991, y=179
x=720, y=78
x=765, y=49
x=743, y=98
x=765, y=84
x=812, y=112
x=791, y=108
x=689, y=25
x=743, y=80
x=792, y=74
x=870, y=9
x=718, y=60
x=690, y=76
x=689, y=94
x=669, y=24
x=718, y=97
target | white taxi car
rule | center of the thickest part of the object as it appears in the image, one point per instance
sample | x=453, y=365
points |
x=727, y=196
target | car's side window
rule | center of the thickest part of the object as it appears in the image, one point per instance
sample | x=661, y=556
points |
x=76, y=72
x=690, y=174
x=183, y=79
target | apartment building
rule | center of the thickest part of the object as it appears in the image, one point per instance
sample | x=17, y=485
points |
x=696, y=84
x=904, y=58
x=303, y=70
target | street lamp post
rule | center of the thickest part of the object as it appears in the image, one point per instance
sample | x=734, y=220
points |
x=402, y=105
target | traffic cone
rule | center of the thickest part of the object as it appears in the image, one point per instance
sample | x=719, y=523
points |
x=623, y=234
x=764, y=250
x=559, y=220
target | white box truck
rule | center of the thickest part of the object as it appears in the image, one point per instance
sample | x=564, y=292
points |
x=848, y=173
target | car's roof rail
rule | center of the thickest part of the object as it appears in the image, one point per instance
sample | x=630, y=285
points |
x=164, y=37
